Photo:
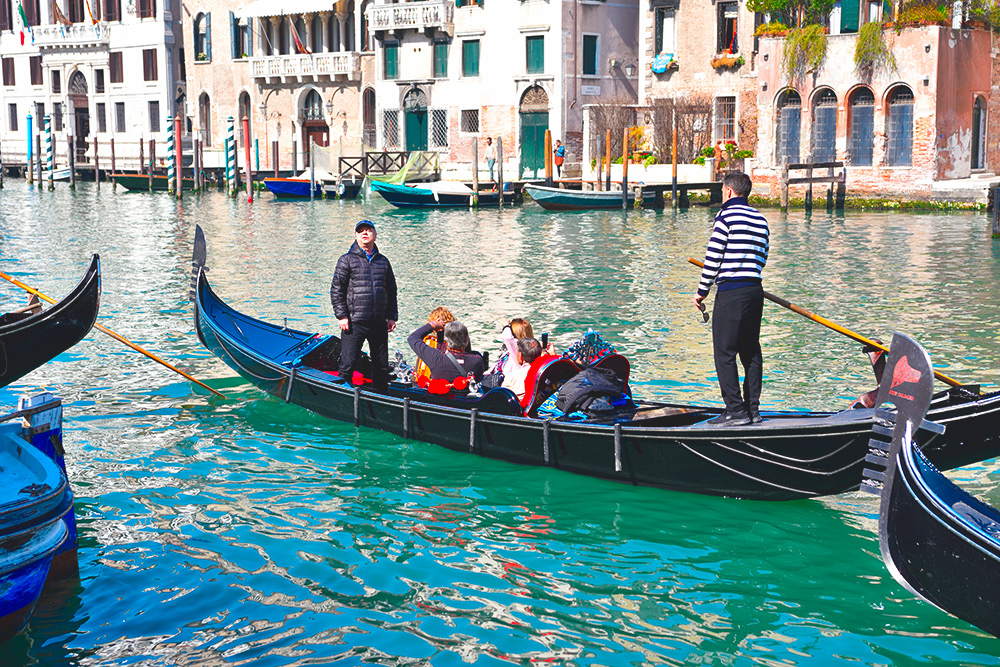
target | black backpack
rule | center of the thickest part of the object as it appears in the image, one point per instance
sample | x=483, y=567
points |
x=593, y=391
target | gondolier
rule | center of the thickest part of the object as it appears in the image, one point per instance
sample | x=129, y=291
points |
x=737, y=253
x=363, y=294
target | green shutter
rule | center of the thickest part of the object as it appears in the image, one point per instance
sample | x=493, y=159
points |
x=535, y=46
x=391, y=61
x=590, y=55
x=849, y=11
x=470, y=58
x=440, y=59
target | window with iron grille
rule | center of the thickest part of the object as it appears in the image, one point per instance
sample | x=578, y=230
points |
x=39, y=114
x=102, y=117
x=98, y=81
x=56, y=81
x=147, y=9
x=899, y=128
x=119, y=116
x=369, y=133
x=115, y=65
x=12, y=110
x=789, y=127
x=725, y=118
x=390, y=128
x=57, y=116
x=979, y=133
x=824, y=126
x=590, y=55
x=470, y=58
x=154, y=116
x=440, y=59
x=727, y=27
x=390, y=64
x=666, y=39
x=149, y=65
x=534, y=46
x=439, y=128
x=35, y=65
x=862, y=130
x=470, y=121
x=8, y=71
x=112, y=10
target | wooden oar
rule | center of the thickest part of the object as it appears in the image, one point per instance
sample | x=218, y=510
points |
x=111, y=333
x=833, y=325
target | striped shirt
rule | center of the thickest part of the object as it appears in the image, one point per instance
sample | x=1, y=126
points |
x=737, y=249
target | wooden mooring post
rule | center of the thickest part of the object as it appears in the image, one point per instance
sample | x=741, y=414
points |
x=809, y=179
x=97, y=166
x=71, y=161
x=475, y=173
x=500, y=171
x=114, y=184
x=996, y=209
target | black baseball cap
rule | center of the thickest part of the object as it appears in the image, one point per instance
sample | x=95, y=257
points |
x=362, y=223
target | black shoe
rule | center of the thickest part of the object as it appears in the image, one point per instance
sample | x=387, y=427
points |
x=729, y=419
x=754, y=416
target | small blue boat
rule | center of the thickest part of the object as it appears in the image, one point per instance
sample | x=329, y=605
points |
x=37, y=525
x=441, y=194
x=557, y=199
x=298, y=188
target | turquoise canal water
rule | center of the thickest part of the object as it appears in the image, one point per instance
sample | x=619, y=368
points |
x=246, y=531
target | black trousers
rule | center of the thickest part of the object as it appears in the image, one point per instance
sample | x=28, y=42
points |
x=736, y=332
x=377, y=335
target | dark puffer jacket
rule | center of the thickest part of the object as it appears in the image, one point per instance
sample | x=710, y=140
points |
x=364, y=291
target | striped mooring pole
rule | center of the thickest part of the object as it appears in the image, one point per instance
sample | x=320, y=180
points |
x=231, y=165
x=170, y=155
x=48, y=150
x=31, y=138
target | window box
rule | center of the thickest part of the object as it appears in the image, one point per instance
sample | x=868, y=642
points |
x=727, y=61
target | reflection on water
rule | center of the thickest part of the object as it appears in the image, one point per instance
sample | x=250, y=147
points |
x=246, y=531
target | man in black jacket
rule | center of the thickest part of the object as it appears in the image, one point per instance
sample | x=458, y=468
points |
x=363, y=295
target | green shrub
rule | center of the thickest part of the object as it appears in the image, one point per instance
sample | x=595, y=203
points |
x=772, y=29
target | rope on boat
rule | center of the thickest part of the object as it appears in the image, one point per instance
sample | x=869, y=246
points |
x=357, y=407
x=472, y=429
x=545, y=439
x=406, y=418
x=618, y=447
x=288, y=391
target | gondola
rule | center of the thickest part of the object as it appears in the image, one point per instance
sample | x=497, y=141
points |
x=29, y=340
x=557, y=199
x=938, y=541
x=441, y=194
x=786, y=457
x=144, y=183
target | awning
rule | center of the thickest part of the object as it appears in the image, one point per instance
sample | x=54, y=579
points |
x=264, y=8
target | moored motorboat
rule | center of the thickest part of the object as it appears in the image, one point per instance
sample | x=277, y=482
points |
x=56, y=174
x=439, y=194
x=146, y=183
x=292, y=188
x=37, y=524
x=938, y=541
x=788, y=456
x=29, y=339
x=558, y=199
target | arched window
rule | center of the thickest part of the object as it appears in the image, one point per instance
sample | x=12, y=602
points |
x=979, y=134
x=824, y=126
x=789, y=126
x=203, y=36
x=283, y=29
x=316, y=34
x=205, y=119
x=862, y=127
x=899, y=128
x=349, y=29
x=368, y=117
x=312, y=108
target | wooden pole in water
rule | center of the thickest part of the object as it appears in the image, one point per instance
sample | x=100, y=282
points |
x=178, y=155
x=548, y=158
x=274, y=156
x=97, y=166
x=142, y=157
x=475, y=173
x=31, y=139
x=312, y=170
x=71, y=161
x=600, y=167
x=114, y=183
x=673, y=180
x=500, y=171
x=607, y=183
x=625, y=169
x=996, y=212
x=38, y=156
x=246, y=144
x=152, y=161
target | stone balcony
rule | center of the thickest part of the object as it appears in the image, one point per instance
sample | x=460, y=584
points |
x=307, y=67
x=76, y=36
x=420, y=16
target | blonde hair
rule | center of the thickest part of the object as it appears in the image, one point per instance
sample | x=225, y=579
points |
x=441, y=313
x=521, y=328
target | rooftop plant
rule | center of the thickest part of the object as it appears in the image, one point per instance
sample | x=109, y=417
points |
x=871, y=52
x=772, y=29
x=805, y=49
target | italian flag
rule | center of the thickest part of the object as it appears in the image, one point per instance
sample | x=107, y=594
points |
x=24, y=23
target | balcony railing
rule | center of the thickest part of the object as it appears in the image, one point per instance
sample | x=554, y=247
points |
x=344, y=63
x=71, y=36
x=412, y=16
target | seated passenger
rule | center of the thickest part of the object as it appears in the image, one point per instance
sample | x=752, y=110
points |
x=528, y=349
x=512, y=331
x=434, y=339
x=455, y=359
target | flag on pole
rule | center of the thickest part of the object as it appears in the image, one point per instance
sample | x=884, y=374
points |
x=93, y=21
x=298, y=42
x=24, y=23
x=59, y=16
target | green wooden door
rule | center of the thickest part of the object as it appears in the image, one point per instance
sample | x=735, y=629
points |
x=416, y=129
x=533, y=126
